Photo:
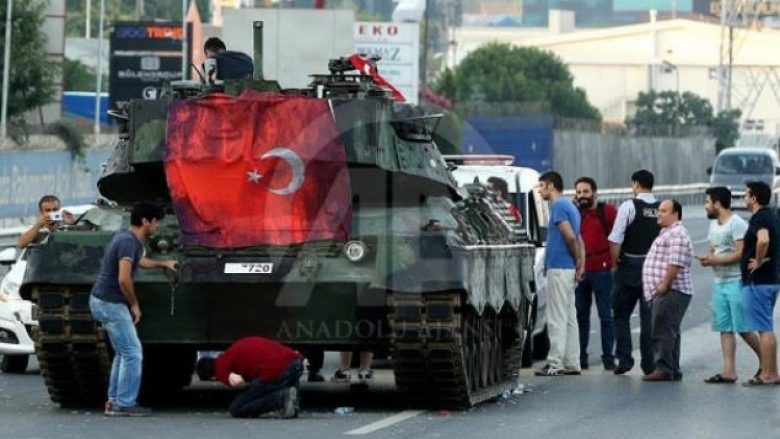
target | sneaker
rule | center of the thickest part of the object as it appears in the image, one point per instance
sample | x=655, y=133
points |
x=107, y=408
x=366, y=376
x=134, y=411
x=340, y=376
x=572, y=372
x=290, y=403
x=549, y=371
x=316, y=377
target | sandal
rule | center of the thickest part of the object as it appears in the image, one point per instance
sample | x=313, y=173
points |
x=756, y=381
x=720, y=379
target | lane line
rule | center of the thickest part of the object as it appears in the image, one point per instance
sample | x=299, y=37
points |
x=386, y=422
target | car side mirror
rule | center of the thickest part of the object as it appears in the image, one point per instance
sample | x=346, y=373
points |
x=8, y=256
x=777, y=170
x=709, y=170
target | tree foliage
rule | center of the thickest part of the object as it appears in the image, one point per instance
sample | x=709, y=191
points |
x=668, y=112
x=32, y=74
x=124, y=10
x=503, y=73
x=76, y=76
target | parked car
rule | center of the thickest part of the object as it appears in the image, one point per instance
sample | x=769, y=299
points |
x=16, y=320
x=734, y=167
x=534, y=211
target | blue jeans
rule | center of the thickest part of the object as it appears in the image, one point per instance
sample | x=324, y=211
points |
x=125, y=379
x=262, y=397
x=599, y=283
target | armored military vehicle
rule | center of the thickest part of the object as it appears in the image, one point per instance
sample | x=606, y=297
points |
x=322, y=217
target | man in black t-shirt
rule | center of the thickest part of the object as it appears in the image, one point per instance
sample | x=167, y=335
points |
x=759, y=278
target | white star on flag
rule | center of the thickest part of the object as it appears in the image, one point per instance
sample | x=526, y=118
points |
x=254, y=176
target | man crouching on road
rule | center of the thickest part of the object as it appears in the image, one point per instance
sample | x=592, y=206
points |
x=113, y=302
x=666, y=278
x=266, y=371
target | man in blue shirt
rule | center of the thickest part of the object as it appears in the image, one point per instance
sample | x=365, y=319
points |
x=113, y=302
x=565, y=264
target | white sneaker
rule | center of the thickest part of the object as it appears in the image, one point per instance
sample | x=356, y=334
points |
x=290, y=403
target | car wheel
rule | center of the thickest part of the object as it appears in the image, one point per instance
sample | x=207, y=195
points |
x=14, y=363
x=541, y=345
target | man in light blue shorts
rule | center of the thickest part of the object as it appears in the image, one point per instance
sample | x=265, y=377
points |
x=726, y=238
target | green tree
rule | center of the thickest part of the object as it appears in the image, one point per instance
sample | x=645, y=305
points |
x=32, y=74
x=670, y=113
x=725, y=128
x=76, y=76
x=503, y=73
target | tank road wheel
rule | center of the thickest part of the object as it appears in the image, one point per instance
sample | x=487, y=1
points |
x=72, y=350
x=446, y=355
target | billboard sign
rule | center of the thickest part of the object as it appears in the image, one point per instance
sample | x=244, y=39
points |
x=398, y=44
x=144, y=55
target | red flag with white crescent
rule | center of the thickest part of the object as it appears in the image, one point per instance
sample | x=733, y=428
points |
x=367, y=67
x=257, y=169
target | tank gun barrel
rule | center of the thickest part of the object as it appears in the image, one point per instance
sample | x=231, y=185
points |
x=257, y=29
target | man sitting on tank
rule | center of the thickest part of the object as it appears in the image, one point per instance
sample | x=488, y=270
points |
x=266, y=371
x=230, y=64
x=49, y=218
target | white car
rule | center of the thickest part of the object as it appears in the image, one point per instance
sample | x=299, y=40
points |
x=16, y=320
x=521, y=183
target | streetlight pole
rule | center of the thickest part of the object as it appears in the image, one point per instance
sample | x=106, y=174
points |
x=676, y=69
x=99, y=81
x=6, y=69
x=184, y=61
x=87, y=24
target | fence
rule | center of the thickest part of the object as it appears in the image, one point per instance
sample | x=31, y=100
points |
x=686, y=194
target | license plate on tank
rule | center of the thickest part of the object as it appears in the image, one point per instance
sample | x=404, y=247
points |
x=249, y=267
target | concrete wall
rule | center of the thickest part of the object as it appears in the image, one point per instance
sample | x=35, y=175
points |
x=611, y=159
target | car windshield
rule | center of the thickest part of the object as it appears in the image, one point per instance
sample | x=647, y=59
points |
x=744, y=164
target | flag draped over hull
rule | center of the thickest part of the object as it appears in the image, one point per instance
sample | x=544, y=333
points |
x=257, y=169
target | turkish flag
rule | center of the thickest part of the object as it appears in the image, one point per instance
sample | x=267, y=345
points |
x=257, y=169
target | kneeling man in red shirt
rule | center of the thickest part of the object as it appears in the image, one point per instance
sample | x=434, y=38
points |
x=266, y=371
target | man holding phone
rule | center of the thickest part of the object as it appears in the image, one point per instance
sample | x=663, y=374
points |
x=49, y=218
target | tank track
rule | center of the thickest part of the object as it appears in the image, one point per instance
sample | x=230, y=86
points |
x=445, y=355
x=72, y=349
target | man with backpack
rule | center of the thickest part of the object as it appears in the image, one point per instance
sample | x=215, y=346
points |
x=597, y=221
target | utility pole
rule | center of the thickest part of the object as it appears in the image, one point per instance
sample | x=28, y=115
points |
x=6, y=69
x=87, y=23
x=99, y=82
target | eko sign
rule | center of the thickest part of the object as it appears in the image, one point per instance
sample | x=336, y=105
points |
x=398, y=44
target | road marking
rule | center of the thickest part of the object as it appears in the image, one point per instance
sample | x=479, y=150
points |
x=386, y=422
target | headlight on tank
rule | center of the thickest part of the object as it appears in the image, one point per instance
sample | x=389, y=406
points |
x=355, y=251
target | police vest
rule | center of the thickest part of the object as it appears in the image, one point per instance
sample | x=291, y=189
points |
x=641, y=233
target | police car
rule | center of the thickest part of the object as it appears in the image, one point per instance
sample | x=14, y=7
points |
x=521, y=183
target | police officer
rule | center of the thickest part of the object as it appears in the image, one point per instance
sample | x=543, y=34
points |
x=634, y=231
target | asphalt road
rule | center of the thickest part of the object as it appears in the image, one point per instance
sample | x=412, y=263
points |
x=597, y=404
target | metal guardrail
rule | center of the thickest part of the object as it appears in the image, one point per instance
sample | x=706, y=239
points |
x=686, y=194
